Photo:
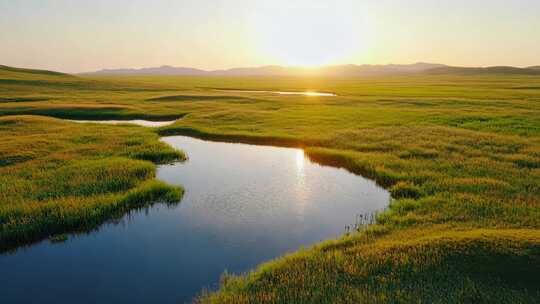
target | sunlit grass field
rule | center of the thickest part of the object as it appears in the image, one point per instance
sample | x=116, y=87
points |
x=57, y=177
x=460, y=155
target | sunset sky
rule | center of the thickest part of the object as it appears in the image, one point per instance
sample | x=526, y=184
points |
x=76, y=36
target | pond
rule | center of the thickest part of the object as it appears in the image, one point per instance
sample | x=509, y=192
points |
x=140, y=122
x=243, y=205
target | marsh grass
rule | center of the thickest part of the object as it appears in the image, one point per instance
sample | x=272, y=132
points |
x=59, y=238
x=361, y=222
x=413, y=266
x=460, y=154
x=58, y=177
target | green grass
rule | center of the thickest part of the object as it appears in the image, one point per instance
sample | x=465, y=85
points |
x=58, y=177
x=440, y=265
x=460, y=154
x=59, y=238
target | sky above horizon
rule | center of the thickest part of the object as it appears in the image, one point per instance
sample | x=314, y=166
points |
x=77, y=36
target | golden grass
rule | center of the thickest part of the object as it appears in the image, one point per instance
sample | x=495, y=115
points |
x=461, y=155
x=57, y=176
x=436, y=264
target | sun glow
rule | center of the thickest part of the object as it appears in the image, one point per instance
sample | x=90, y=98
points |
x=311, y=37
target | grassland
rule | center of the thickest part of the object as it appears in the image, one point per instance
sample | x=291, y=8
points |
x=460, y=154
x=57, y=176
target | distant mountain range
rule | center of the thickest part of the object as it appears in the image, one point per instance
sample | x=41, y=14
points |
x=349, y=70
x=507, y=70
x=274, y=70
x=162, y=70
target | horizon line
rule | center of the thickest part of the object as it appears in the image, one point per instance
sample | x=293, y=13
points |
x=307, y=67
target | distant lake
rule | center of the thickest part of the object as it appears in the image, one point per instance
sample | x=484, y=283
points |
x=306, y=93
x=243, y=205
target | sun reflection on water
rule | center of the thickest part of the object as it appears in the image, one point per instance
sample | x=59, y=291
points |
x=301, y=189
x=300, y=161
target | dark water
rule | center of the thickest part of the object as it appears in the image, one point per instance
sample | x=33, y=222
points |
x=243, y=205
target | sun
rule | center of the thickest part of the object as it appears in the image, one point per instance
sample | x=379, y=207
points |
x=310, y=37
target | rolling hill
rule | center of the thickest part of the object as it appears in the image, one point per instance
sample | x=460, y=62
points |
x=5, y=70
x=504, y=70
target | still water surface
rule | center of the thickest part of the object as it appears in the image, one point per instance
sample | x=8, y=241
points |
x=140, y=122
x=243, y=205
x=305, y=93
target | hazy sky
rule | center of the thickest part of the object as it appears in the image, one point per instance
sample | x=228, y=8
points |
x=75, y=36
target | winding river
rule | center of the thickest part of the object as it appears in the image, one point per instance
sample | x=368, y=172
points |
x=243, y=205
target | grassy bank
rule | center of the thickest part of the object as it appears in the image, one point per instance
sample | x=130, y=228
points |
x=441, y=264
x=460, y=154
x=58, y=177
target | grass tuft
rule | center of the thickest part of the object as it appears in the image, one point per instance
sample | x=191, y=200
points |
x=406, y=190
